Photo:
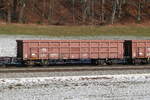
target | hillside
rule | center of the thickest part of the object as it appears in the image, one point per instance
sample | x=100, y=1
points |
x=75, y=31
x=75, y=12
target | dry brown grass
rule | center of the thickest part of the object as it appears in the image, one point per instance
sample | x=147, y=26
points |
x=111, y=30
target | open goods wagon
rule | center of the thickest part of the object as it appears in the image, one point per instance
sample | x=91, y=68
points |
x=140, y=51
x=47, y=52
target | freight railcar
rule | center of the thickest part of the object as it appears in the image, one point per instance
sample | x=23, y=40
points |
x=46, y=52
x=140, y=51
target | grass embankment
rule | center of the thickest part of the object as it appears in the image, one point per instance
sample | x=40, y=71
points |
x=133, y=30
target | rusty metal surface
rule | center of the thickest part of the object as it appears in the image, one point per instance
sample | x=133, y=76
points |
x=141, y=48
x=72, y=49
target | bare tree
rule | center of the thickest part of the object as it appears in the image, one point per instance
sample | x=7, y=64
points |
x=103, y=11
x=139, y=10
x=22, y=5
x=8, y=4
x=114, y=8
x=50, y=11
x=75, y=11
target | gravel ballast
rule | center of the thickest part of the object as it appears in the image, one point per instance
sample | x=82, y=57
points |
x=72, y=73
x=104, y=87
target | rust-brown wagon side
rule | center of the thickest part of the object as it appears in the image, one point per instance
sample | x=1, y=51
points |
x=140, y=51
x=99, y=51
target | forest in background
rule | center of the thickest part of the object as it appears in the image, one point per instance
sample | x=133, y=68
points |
x=75, y=12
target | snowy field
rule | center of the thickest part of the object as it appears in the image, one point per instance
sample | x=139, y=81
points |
x=8, y=42
x=100, y=87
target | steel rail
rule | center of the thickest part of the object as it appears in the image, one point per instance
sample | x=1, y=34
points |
x=67, y=69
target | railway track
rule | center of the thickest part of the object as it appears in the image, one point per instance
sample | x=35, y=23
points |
x=65, y=69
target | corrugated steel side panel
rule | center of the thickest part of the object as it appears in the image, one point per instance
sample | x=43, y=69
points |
x=72, y=49
x=141, y=48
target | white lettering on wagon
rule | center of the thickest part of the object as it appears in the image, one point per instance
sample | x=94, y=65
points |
x=140, y=53
x=148, y=49
x=33, y=55
x=148, y=54
x=44, y=50
x=84, y=55
x=54, y=55
x=43, y=55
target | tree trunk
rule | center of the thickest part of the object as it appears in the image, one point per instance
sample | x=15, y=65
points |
x=73, y=12
x=113, y=11
x=14, y=11
x=93, y=12
x=9, y=15
x=44, y=9
x=51, y=7
x=103, y=12
x=120, y=8
x=84, y=11
x=21, y=14
x=139, y=11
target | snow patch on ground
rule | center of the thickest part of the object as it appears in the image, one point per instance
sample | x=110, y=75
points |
x=6, y=82
x=98, y=87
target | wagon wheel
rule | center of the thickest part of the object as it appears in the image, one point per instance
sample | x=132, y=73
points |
x=94, y=62
x=30, y=63
x=136, y=62
x=102, y=62
x=145, y=61
x=109, y=62
x=45, y=62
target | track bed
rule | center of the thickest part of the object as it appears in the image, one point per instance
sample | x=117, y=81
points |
x=71, y=68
